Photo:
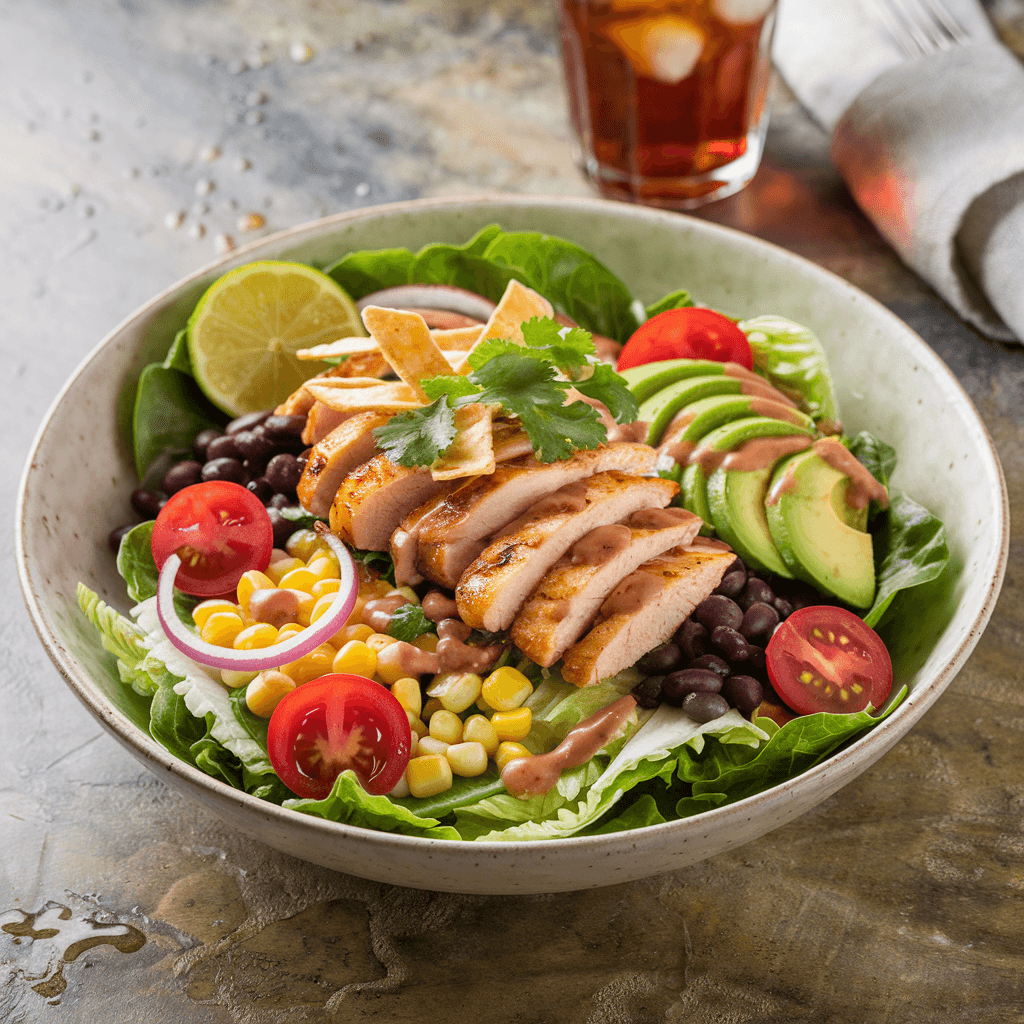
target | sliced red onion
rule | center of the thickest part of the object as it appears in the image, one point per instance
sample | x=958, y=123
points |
x=430, y=296
x=265, y=657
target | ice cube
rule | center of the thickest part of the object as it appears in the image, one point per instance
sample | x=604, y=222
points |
x=741, y=12
x=665, y=48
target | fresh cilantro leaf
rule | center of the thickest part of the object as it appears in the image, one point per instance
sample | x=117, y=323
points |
x=408, y=622
x=454, y=385
x=494, y=347
x=418, y=437
x=570, y=353
x=539, y=332
x=378, y=561
x=608, y=387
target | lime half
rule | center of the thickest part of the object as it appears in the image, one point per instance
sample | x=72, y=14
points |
x=243, y=335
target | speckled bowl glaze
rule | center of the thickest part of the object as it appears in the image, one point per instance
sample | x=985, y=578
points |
x=80, y=471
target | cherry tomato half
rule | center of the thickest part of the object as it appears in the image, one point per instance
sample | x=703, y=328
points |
x=825, y=659
x=219, y=530
x=689, y=333
x=336, y=722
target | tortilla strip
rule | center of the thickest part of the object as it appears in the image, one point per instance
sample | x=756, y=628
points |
x=355, y=345
x=405, y=341
x=383, y=397
x=516, y=306
x=472, y=452
x=457, y=339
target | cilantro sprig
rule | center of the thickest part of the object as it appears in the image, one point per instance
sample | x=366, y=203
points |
x=527, y=381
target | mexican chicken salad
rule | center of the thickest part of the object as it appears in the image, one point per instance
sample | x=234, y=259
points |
x=468, y=544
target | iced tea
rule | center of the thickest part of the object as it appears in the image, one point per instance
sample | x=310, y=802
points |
x=668, y=97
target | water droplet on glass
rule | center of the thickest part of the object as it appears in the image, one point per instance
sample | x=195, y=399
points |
x=224, y=243
x=94, y=136
x=174, y=220
x=251, y=222
x=362, y=189
x=204, y=186
x=301, y=53
x=254, y=117
x=236, y=67
x=241, y=164
x=256, y=98
x=209, y=154
x=196, y=231
x=200, y=208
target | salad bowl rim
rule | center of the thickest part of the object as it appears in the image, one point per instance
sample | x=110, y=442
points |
x=143, y=746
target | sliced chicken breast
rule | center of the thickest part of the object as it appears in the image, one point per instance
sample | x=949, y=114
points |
x=320, y=421
x=461, y=526
x=501, y=577
x=332, y=459
x=568, y=598
x=644, y=610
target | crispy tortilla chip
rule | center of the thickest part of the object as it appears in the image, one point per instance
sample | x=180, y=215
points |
x=405, y=341
x=470, y=453
x=385, y=397
x=517, y=305
x=342, y=347
x=457, y=339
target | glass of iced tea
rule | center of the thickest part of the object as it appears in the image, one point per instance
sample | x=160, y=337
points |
x=669, y=98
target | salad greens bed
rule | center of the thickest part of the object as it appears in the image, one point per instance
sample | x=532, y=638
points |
x=663, y=766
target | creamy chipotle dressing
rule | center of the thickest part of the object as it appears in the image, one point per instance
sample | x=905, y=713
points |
x=530, y=776
x=758, y=453
x=601, y=545
x=752, y=384
x=863, y=488
x=633, y=592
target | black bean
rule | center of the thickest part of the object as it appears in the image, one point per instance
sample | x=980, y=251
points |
x=713, y=663
x=732, y=583
x=755, y=590
x=279, y=501
x=744, y=693
x=254, y=444
x=147, y=503
x=783, y=607
x=731, y=643
x=255, y=467
x=689, y=680
x=283, y=473
x=261, y=489
x=759, y=621
x=717, y=610
x=283, y=528
x=202, y=440
x=182, y=475
x=114, y=538
x=737, y=565
x=692, y=639
x=226, y=469
x=223, y=447
x=661, y=660
x=248, y=421
x=284, y=427
x=705, y=707
x=648, y=691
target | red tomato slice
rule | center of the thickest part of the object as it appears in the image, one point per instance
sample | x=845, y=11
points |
x=219, y=530
x=689, y=333
x=825, y=659
x=337, y=722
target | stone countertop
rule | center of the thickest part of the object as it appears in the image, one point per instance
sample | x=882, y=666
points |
x=139, y=139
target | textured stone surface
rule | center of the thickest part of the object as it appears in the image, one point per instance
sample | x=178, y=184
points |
x=901, y=899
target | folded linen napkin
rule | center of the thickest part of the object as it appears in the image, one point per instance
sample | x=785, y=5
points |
x=932, y=147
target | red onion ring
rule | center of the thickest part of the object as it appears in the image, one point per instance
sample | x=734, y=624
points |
x=287, y=651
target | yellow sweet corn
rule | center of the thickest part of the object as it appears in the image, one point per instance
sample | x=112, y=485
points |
x=322, y=607
x=221, y=628
x=512, y=725
x=298, y=579
x=279, y=567
x=430, y=705
x=250, y=581
x=266, y=691
x=328, y=586
x=259, y=635
x=302, y=544
x=446, y=725
x=416, y=724
x=310, y=666
x=401, y=788
x=205, y=609
x=289, y=629
x=347, y=633
x=429, y=775
x=478, y=729
x=509, y=751
x=233, y=679
x=455, y=690
x=426, y=642
x=323, y=568
x=355, y=658
x=467, y=759
x=431, y=745
x=407, y=692
x=378, y=641
x=506, y=688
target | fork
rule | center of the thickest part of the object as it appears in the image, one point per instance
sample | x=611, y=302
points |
x=920, y=27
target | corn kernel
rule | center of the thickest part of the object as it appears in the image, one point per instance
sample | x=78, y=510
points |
x=307, y=602
x=401, y=788
x=509, y=751
x=406, y=592
x=310, y=666
x=478, y=729
x=512, y=725
x=266, y=691
x=233, y=679
x=416, y=724
x=288, y=630
x=407, y=692
x=279, y=567
x=429, y=775
x=356, y=658
x=426, y=642
x=467, y=759
x=298, y=579
x=378, y=641
x=431, y=745
x=323, y=568
x=355, y=617
x=379, y=588
x=391, y=663
x=277, y=554
x=455, y=690
x=322, y=607
x=347, y=633
x=483, y=706
x=205, y=609
x=221, y=628
x=302, y=543
x=321, y=587
x=252, y=580
x=258, y=635
x=431, y=705
x=446, y=725
x=506, y=688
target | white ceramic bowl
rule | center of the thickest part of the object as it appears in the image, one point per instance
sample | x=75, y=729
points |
x=80, y=472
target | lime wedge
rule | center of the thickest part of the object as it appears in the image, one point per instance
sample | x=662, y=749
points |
x=243, y=334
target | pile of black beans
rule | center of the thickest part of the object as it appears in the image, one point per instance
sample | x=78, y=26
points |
x=716, y=659
x=261, y=451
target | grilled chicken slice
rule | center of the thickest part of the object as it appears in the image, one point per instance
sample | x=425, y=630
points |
x=644, y=610
x=374, y=499
x=568, y=598
x=333, y=458
x=500, y=579
x=460, y=527
x=320, y=421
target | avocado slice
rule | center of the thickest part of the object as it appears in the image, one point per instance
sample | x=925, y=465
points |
x=820, y=537
x=647, y=380
x=693, y=490
x=658, y=410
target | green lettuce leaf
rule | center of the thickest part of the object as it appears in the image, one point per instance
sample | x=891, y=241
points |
x=408, y=622
x=679, y=299
x=138, y=569
x=361, y=273
x=177, y=357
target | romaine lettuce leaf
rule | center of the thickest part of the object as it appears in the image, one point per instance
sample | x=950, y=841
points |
x=138, y=569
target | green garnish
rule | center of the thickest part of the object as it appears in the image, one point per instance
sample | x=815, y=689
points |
x=408, y=622
x=524, y=381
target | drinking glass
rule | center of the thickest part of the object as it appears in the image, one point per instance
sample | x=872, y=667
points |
x=668, y=98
